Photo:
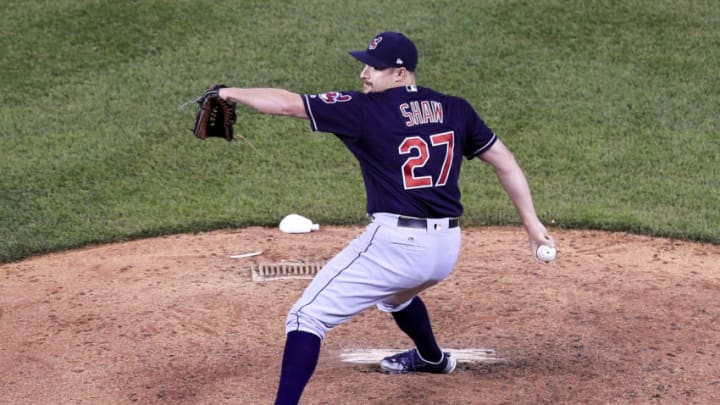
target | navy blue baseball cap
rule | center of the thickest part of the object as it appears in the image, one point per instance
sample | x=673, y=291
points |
x=389, y=49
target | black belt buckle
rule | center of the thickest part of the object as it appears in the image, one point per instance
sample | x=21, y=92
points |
x=420, y=223
x=407, y=222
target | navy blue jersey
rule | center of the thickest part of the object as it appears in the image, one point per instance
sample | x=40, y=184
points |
x=409, y=142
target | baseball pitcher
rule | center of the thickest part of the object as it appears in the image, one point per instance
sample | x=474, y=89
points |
x=410, y=142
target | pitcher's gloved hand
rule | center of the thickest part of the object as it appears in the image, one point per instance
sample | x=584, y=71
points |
x=215, y=117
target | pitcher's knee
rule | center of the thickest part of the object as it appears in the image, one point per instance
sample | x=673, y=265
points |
x=303, y=322
x=391, y=307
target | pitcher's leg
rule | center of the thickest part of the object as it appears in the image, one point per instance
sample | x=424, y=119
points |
x=415, y=322
x=412, y=316
x=336, y=294
x=301, y=354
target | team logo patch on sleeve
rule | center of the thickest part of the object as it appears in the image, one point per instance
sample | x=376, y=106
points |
x=333, y=97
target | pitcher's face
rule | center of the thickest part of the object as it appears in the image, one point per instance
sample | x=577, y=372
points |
x=378, y=80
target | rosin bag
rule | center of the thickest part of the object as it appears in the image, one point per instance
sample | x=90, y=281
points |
x=295, y=223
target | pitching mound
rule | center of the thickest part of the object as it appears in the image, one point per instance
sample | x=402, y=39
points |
x=617, y=318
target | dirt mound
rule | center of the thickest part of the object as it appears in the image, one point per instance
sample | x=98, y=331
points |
x=617, y=318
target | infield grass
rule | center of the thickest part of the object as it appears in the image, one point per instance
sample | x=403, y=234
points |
x=611, y=107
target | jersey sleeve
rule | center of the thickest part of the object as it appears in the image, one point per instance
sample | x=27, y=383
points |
x=335, y=112
x=480, y=136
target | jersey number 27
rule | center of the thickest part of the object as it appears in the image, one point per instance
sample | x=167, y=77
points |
x=420, y=150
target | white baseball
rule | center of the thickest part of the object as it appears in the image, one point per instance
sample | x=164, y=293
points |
x=546, y=253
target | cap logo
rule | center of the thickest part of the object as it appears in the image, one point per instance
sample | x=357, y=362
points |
x=374, y=43
x=399, y=61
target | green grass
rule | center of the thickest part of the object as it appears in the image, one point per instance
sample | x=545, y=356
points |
x=611, y=107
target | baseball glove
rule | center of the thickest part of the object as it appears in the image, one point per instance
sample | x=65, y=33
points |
x=215, y=117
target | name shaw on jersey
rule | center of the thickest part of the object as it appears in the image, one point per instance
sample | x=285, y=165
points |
x=422, y=112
